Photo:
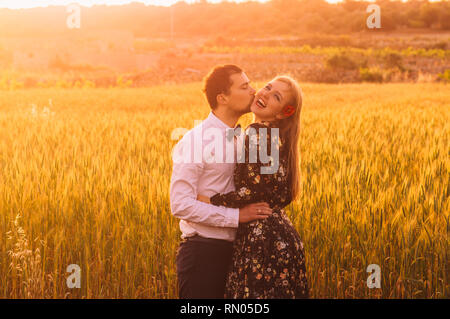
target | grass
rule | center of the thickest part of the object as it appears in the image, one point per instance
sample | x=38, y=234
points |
x=331, y=50
x=85, y=179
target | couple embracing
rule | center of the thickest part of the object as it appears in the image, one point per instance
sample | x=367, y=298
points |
x=237, y=241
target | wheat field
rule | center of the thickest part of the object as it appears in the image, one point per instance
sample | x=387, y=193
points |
x=84, y=179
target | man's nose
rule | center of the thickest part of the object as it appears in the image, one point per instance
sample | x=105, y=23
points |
x=253, y=91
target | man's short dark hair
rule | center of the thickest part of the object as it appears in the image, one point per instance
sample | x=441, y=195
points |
x=218, y=81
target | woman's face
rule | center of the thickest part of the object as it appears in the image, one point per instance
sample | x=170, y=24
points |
x=270, y=101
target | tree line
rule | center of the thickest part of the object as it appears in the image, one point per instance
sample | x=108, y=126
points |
x=249, y=19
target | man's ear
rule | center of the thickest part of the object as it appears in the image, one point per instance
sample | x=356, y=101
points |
x=221, y=98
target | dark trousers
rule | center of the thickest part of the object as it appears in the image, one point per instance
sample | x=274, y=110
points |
x=202, y=266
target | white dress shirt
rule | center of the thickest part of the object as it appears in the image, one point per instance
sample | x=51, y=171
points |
x=199, y=174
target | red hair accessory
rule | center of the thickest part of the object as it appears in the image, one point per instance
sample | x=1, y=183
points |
x=288, y=110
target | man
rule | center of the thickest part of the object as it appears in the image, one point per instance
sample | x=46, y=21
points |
x=208, y=231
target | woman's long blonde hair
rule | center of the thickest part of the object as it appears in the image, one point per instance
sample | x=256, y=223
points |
x=290, y=133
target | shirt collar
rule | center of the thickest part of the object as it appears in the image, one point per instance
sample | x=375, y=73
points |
x=217, y=122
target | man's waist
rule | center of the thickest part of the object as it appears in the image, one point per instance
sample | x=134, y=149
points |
x=189, y=229
x=201, y=239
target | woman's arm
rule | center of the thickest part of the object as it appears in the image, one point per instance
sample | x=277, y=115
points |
x=251, y=185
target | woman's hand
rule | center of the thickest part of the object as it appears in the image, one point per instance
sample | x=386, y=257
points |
x=204, y=199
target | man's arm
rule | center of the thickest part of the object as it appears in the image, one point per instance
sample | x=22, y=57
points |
x=184, y=203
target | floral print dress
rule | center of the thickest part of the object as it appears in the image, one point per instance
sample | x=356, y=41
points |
x=268, y=257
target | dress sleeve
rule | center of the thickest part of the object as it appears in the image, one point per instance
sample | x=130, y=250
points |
x=252, y=185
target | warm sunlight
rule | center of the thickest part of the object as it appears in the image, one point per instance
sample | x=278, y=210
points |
x=17, y=4
x=124, y=175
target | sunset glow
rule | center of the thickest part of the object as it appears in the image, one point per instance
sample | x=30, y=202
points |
x=18, y=4
x=335, y=187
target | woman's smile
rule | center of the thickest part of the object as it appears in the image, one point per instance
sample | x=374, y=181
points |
x=260, y=102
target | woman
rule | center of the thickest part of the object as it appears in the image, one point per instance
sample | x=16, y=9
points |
x=268, y=258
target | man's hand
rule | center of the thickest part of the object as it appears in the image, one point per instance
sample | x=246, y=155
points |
x=204, y=199
x=254, y=211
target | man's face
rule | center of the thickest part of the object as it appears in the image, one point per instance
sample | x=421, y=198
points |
x=241, y=94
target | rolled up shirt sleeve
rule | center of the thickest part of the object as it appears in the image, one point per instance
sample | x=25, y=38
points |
x=184, y=203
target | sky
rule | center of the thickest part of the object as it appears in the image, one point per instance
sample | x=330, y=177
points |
x=17, y=4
